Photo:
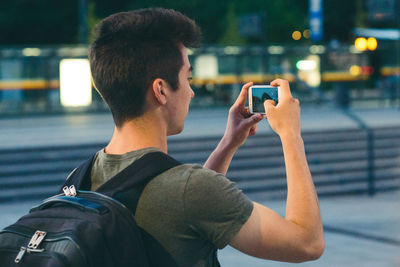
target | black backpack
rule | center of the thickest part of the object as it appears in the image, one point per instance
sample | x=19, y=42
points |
x=79, y=227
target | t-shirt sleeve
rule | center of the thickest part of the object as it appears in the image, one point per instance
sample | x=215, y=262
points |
x=214, y=207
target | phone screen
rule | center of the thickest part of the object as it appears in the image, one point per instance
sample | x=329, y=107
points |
x=260, y=94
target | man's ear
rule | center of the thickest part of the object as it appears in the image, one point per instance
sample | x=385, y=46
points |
x=159, y=88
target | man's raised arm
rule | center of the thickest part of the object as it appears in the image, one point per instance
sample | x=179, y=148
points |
x=299, y=236
x=240, y=125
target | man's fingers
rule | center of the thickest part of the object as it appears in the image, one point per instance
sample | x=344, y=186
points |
x=284, y=88
x=269, y=102
x=254, y=119
x=243, y=94
x=268, y=105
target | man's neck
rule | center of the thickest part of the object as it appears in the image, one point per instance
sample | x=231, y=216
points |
x=138, y=134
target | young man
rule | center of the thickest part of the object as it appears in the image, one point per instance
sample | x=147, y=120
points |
x=140, y=67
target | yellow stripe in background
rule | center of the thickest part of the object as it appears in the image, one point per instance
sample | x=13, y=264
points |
x=29, y=84
x=388, y=71
x=341, y=76
x=334, y=76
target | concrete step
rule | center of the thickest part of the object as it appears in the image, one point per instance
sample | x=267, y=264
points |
x=382, y=179
x=29, y=193
x=387, y=132
x=338, y=161
x=257, y=173
x=175, y=146
x=271, y=156
x=348, y=183
x=334, y=190
x=246, y=174
x=47, y=155
x=197, y=151
x=272, y=151
x=201, y=144
x=320, y=158
x=320, y=179
x=32, y=180
x=38, y=168
x=390, y=184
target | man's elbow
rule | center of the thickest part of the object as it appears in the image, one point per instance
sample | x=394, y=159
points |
x=315, y=250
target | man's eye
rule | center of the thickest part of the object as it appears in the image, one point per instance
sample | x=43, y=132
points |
x=190, y=79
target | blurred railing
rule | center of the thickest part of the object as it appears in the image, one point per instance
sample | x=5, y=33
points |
x=343, y=76
x=370, y=149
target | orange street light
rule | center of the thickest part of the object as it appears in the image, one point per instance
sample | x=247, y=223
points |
x=296, y=35
x=372, y=44
x=361, y=44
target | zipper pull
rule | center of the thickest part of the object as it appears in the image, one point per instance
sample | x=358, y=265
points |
x=21, y=254
x=33, y=245
x=36, y=239
x=69, y=191
x=66, y=190
x=72, y=190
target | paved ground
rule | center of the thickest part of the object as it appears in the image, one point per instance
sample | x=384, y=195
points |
x=360, y=231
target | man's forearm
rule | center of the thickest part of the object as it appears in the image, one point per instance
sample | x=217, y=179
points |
x=302, y=205
x=221, y=157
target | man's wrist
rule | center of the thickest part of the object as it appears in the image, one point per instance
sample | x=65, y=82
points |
x=227, y=145
x=291, y=136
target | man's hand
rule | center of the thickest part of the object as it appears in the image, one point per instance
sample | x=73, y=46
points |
x=241, y=124
x=299, y=236
x=283, y=118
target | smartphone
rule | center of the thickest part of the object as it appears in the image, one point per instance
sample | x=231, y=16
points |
x=258, y=94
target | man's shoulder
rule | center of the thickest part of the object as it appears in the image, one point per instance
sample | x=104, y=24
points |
x=187, y=179
x=193, y=173
x=187, y=172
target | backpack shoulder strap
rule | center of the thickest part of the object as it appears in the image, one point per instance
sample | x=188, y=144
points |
x=127, y=185
x=80, y=177
x=139, y=172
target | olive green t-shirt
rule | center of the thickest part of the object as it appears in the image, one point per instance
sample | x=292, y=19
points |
x=190, y=210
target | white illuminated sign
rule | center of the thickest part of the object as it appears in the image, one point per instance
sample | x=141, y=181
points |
x=206, y=66
x=306, y=65
x=75, y=83
x=309, y=70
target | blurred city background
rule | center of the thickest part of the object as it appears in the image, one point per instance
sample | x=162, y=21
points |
x=342, y=52
x=342, y=59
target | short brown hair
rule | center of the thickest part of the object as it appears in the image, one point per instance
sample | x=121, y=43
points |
x=134, y=48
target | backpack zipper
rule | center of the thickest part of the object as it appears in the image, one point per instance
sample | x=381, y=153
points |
x=72, y=192
x=33, y=245
x=92, y=195
x=38, y=237
x=23, y=231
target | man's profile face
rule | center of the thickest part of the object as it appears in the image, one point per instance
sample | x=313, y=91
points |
x=179, y=105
